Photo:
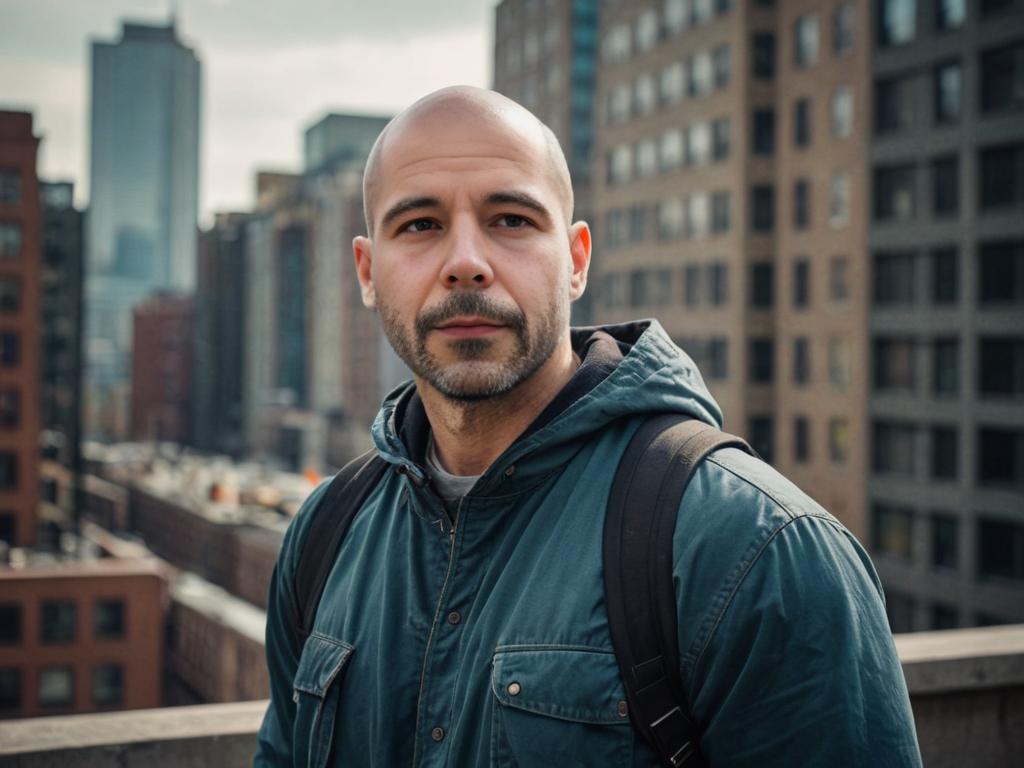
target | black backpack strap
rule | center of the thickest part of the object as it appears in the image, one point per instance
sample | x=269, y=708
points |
x=332, y=517
x=642, y=509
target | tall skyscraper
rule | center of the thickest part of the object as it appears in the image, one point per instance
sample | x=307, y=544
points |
x=142, y=220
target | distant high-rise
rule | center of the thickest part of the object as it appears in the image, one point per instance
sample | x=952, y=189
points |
x=144, y=175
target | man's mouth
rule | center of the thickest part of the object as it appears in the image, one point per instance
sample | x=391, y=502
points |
x=469, y=326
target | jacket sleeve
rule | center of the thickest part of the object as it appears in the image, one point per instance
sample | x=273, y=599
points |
x=274, y=741
x=799, y=666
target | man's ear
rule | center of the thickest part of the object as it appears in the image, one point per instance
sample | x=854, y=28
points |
x=579, y=251
x=362, y=249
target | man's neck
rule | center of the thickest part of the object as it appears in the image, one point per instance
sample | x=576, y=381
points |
x=470, y=435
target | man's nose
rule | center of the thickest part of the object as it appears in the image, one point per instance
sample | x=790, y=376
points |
x=466, y=263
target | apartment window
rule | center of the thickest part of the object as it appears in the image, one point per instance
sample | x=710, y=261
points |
x=10, y=688
x=646, y=159
x=805, y=51
x=108, y=619
x=698, y=143
x=763, y=208
x=763, y=57
x=718, y=278
x=950, y=14
x=801, y=360
x=839, y=363
x=56, y=622
x=661, y=287
x=10, y=349
x=1001, y=371
x=701, y=74
x=899, y=609
x=1001, y=458
x=10, y=186
x=10, y=624
x=697, y=218
x=8, y=471
x=638, y=288
x=839, y=199
x=762, y=361
x=645, y=96
x=646, y=30
x=10, y=408
x=722, y=66
x=948, y=88
x=672, y=83
x=894, y=364
x=1000, y=549
x=894, y=448
x=671, y=150
x=802, y=122
x=946, y=367
x=723, y=6
x=1002, y=78
x=762, y=285
x=7, y=527
x=801, y=204
x=894, y=193
x=618, y=104
x=893, y=530
x=945, y=276
x=718, y=358
x=670, y=219
x=1002, y=177
x=844, y=19
x=702, y=10
x=842, y=111
x=897, y=21
x=615, y=290
x=1001, y=274
x=107, y=685
x=944, y=541
x=945, y=447
x=838, y=440
x=946, y=186
x=620, y=164
x=10, y=295
x=764, y=131
x=894, y=105
x=720, y=212
x=801, y=439
x=617, y=43
x=720, y=139
x=614, y=228
x=677, y=16
x=762, y=436
x=691, y=285
x=801, y=283
x=10, y=239
x=637, y=223
x=56, y=686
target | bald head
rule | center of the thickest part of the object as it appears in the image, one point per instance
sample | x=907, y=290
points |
x=462, y=106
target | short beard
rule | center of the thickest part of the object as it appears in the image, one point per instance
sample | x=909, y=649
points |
x=472, y=377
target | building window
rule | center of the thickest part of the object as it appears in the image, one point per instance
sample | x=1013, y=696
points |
x=617, y=104
x=637, y=223
x=720, y=212
x=946, y=187
x=645, y=94
x=839, y=363
x=718, y=358
x=945, y=447
x=718, y=279
x=670, y=219
x=805, y=51
x=762, y=436
x=1002, y=78
x=677, y=16
x=108, y=619
x=897, y=21
x=1001, y=458
x=670, y=150
x=10, y=295
x=57, y=622
x=8, y=528
x=107, y=685
x=615, y=290
x=10, y=624
x=1002, y=177
x=838, y=440
x=801, y=204
x=950, y=14
x=946, y=367
x=944, y=616
x=899, y=609
x=620, y=164
x=843, y=21
x=1000, y=549
x=802, y=122
x=638, y=288
x=697, y=215
x=646, y=159
x=842, y=111
x=10, y=408
x=801, y=439
x=720, y=63
x=894, y=364
x=56, y=686
x=8, y=471
x=616, y=45
x=10, y=186
x=801, y=283
x=10, y=239
x=762, y=285
x=894, y=193
x=763, y=208
x=646, y=30
x=10, y=688
x=720, y=139
x=839, y=199
x=702, y=10
x=945, y=276
x=893, y=530
x=894, y=450
x=762, y=361
x=1001, y=277
x=1001, y=370
x=698, y=144
x=672, y=83
x=763, y=58
x=764, y=131
x=691, y=285
x=948, y=85
x=944, y=541
x=894, y=105
x=839, y=279
x=701, y=74
x=801, y=360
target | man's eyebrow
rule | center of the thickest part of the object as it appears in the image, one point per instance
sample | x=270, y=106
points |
x=409, y=204
x=519, y=198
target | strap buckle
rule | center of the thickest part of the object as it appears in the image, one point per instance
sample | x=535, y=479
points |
x=666, y=731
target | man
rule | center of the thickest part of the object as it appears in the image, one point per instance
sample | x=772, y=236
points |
x=464, y=621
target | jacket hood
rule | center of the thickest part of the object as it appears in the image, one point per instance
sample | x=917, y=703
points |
x=628, y=370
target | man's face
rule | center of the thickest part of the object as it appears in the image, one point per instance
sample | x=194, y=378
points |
x=471, y=264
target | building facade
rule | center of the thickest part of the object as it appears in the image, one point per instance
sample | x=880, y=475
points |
x=144, y=192
x=162, y=369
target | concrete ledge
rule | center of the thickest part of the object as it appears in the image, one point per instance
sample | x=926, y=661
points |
x=962, y=660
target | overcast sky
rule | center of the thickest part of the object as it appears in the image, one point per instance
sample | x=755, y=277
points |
x=269, y=70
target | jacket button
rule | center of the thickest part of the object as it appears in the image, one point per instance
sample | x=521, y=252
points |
x=510, y=470
x=437, y=734
x=514, y=689
x=623, y=709
x=454, y=618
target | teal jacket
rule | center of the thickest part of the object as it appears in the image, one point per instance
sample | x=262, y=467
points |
x=479, y=637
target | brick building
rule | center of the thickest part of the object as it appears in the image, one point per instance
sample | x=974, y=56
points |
x=162, y=369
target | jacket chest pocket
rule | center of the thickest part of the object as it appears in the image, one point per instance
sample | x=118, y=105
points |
x=316, y=692
x=558, y=706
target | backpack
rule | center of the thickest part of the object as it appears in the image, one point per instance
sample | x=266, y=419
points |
x=637, y=556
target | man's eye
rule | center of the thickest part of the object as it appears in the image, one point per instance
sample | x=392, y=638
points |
x=419, y=225
x=513, y=221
